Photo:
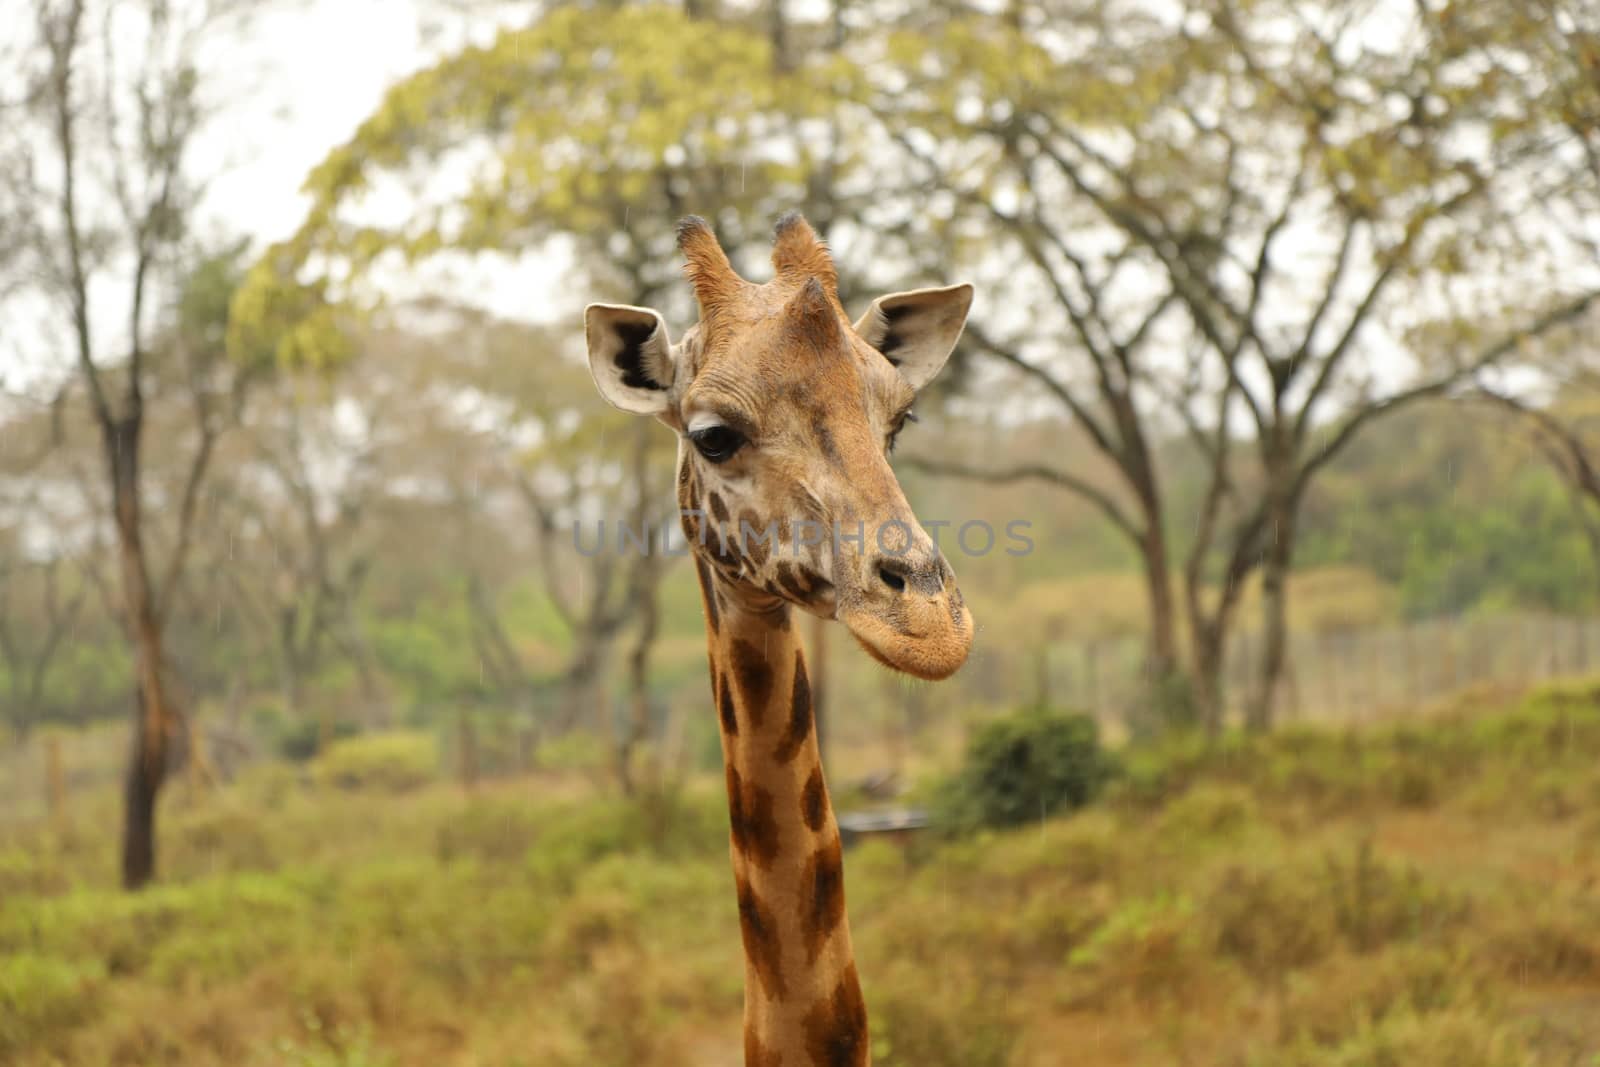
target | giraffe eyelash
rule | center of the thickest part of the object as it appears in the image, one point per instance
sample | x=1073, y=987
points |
x=894, y=435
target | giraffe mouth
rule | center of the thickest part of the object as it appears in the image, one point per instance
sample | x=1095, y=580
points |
x=929, y=640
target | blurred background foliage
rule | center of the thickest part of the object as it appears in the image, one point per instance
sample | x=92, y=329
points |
x=1284, y=349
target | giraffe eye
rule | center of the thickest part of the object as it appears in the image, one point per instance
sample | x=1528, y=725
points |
x=894, y=434
x=717, y=443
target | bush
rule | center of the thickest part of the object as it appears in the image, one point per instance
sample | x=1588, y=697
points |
x=299, y=739
x=394, y=761
x=1375, y=902
x=935, y=1022
x=1168, y=707
x=42, y=995
x=24, y=873
x=1267, y=920
x=294, y=733
x=493, y=830
x=1205, y=813
x=1411, y=1039
x=1552, y=937
x=218, y=839
x=575, y=751
x=667, y=824
x=1025, y=768
x=1356, y=992
x=1147, y=952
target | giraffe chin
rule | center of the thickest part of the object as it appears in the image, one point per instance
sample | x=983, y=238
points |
x=932, y=654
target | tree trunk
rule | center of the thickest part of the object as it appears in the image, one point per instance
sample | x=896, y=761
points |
x=1167, y=691
x=778, y=34
x=1209, y=652
x=1274, y=620
x=1163, y=652
x=637, y=728
x=1166, y=708
x=291, y=669
x=577, y=687
x=155, y=715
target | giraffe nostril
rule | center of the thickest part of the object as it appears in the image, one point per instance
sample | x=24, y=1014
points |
x=891, y=579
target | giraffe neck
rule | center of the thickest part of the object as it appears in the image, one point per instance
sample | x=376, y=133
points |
x=802, y=997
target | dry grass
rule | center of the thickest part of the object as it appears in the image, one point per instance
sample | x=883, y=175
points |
x=1421, y=897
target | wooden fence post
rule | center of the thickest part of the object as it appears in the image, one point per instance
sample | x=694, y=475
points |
x=56, y=780
x=1374, y=675
x=1330, y=674
x=1091, y=666
x=1451, y=661
x=1408, y=649
x=1530, y=652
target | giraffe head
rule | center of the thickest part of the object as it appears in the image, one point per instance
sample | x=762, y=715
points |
x=785, y=414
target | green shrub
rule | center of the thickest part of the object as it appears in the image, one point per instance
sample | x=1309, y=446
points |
x=1452, y=1038
x=42, y=995
x=1554, y=937
x=295, y=734
x=1147, y=952
x=1150, y=775
x=1329, y=1005
x=24, y=873
x=1166, y=707
x=300, y=738
x=1375, y=902
x=344, y=1047
x=1090, y=847
x=395, y=761
x=493, y=830
x=934, y=1022
x=669, y=823
x=575, y=751
x=1269, y=921
x=223, y=838
x=1207, y=812
x=1024, y=768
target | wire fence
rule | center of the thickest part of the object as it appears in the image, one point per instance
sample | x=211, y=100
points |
x=1334, y=678
x=1341, y=676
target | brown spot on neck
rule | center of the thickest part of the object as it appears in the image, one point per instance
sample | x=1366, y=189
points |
x=836, y=1029
x=762, y=950
x=800, y=715
x=758, y=1055
x=753, y=674
x=823, y=895
x=724, y=697
x=754, y=829
x=814, y=801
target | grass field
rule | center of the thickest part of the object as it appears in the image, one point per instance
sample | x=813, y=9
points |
x=1419, y=896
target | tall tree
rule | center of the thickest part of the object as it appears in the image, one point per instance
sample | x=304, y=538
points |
x=1565, y=421
x=1248, y=222
x=546, y=144
x=96, y=180
x=605, y=156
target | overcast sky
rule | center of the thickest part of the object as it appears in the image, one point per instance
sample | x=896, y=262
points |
x=290, y=86
x=299, y=84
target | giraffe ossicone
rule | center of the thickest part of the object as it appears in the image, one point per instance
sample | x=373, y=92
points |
x=785, y=413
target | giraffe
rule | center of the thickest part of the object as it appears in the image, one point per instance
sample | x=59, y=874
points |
x=785, y=414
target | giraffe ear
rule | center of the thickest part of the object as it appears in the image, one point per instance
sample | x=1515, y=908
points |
x=630, y=356
x=917, y=331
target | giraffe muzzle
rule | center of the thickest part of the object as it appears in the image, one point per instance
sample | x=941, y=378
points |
x=910, y=615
